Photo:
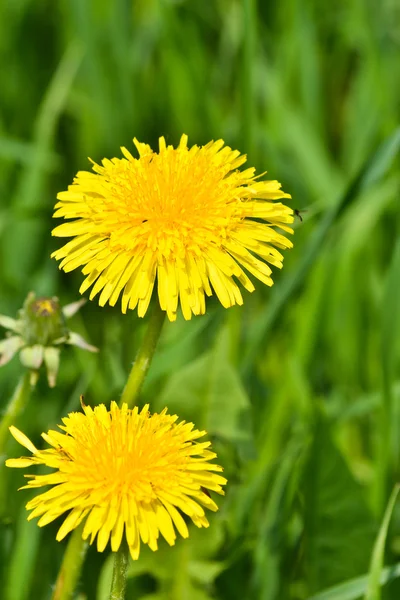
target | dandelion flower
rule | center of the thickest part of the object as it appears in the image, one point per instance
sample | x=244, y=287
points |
x=122, y=472
x=186, y=220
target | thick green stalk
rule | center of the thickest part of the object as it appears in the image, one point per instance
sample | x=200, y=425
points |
x=118, y=584
x=12, y=411
x=143, y=358
x=14, y=408
x=71, y=566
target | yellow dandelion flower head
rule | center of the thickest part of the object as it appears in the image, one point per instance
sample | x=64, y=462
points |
x=122, y=472
x=184, y=219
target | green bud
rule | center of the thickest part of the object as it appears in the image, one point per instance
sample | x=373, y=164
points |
x=41, y=328
x=43, y=321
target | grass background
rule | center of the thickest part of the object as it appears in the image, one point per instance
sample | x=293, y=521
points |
x=299, y=388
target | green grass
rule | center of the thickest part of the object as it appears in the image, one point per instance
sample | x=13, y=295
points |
x=299, y=388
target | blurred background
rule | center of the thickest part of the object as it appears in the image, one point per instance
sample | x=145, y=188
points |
x=299, y=389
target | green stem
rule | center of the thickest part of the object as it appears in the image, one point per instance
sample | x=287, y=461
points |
x=118, y=584
x=143, y=358
x=15, y=407
x=71, y=566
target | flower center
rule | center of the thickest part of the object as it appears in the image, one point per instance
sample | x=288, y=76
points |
x=169, y=203
x=118, y=460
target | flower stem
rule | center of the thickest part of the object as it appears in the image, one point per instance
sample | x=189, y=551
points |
x=118, y=584
x=14, y=408
x=143, y=358
x=71, y=566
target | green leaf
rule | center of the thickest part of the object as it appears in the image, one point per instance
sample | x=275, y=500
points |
x=205, y=571
x=208, y=392
x=337, y=520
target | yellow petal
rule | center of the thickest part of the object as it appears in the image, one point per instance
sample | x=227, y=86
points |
x=22, y=439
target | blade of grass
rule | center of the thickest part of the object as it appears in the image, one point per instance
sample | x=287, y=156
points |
x=267, y=552
x=54, y=101
x=373, y=169
x=29, y=195
x=248, y=108
x=23, y=152
x=388, y=451
x=354, y=588
x=23, y=557
x=373, y=591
